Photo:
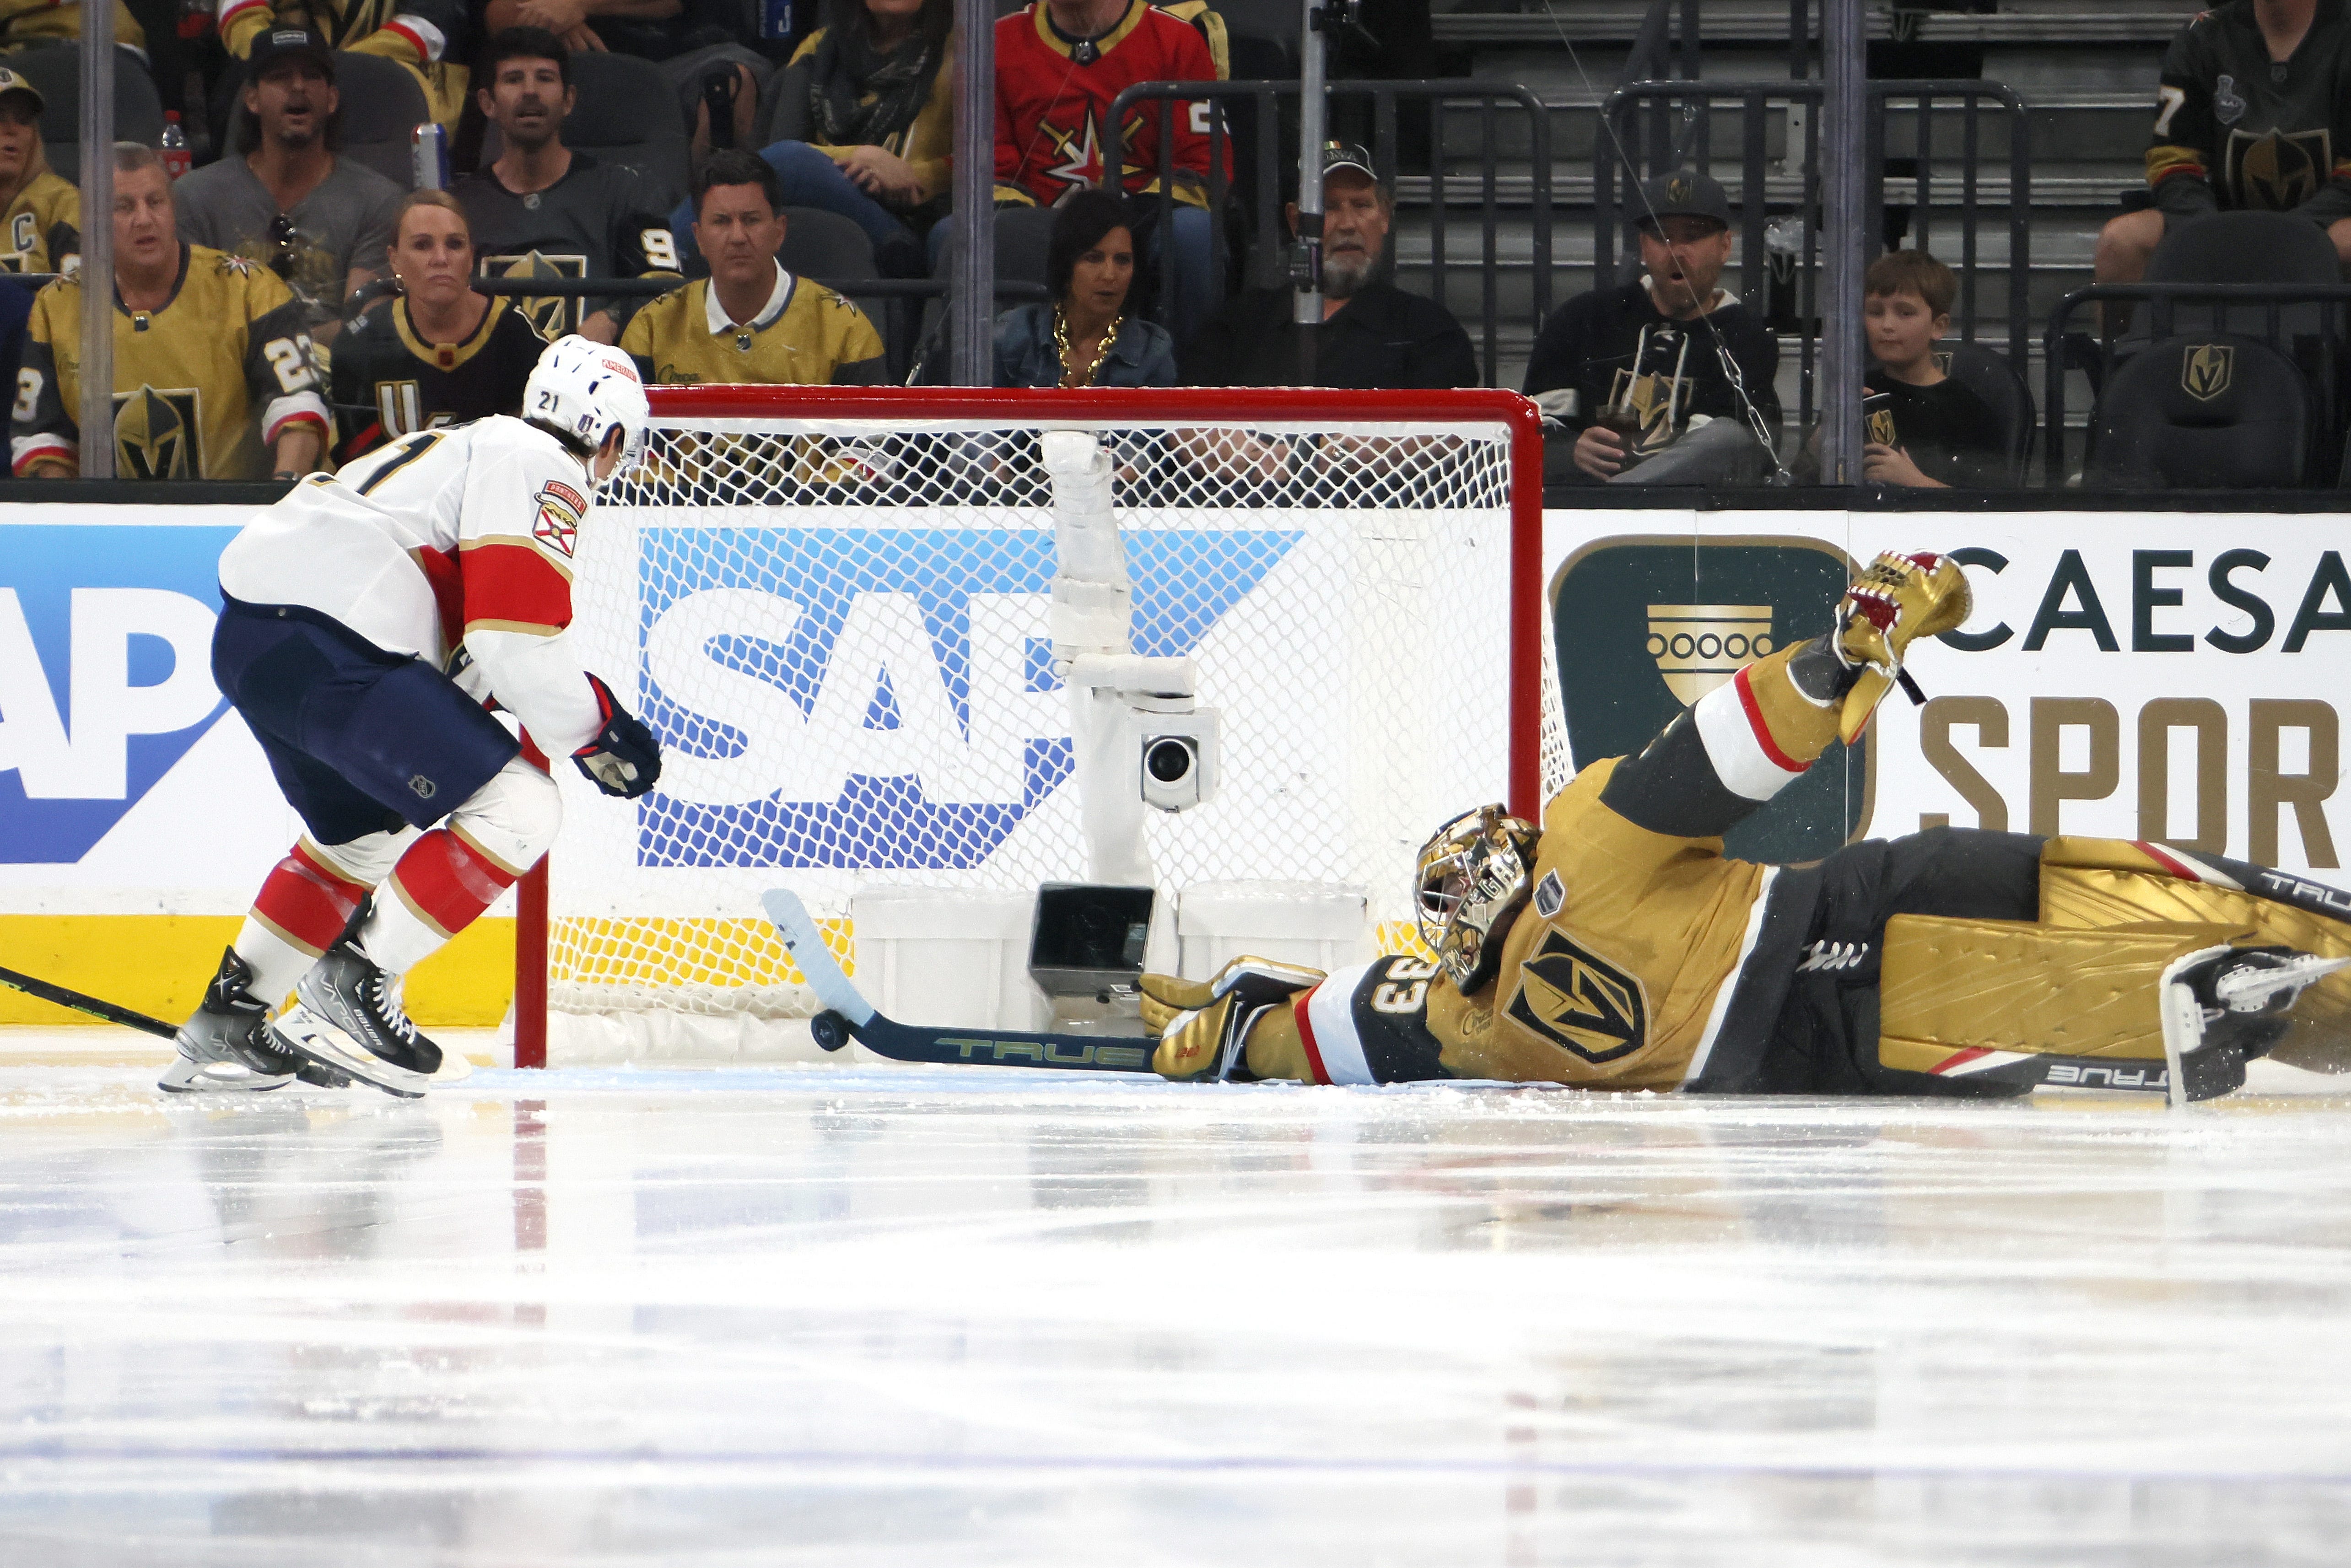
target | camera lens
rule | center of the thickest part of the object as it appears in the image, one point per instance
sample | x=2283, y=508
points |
x=1168, y=761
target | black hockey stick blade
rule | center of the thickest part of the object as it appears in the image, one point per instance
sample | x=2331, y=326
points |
x=66, y=998
x=848, y=1015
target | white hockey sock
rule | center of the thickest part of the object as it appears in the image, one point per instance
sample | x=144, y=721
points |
x=276, y=964
x=395, y=937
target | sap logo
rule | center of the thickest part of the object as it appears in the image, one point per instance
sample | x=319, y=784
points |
x=2110, y=1077
x=880, y=698
x=105, y=676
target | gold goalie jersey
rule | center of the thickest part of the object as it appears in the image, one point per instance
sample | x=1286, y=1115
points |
x=806, y=335
x=202, y=386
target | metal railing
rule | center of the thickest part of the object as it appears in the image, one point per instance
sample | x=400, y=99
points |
x=1650, y=128
x=1271, y=180
x=2162, y=299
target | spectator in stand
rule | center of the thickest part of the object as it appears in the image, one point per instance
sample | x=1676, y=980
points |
x=30, y=24
x=1058, y=65
x=696, y=42
x=1084, y=337
x=211, y=362
x=284, y=199
x=1651, y=355
x=437, y=352
x=1373, y=334
x=2253, y=110
x=750, y=320
x=1924, y=430
x=863, y=114
x=42, y=213
x=542, y=207
x=426, y=35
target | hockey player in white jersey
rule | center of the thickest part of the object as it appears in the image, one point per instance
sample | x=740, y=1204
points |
x=369, y=617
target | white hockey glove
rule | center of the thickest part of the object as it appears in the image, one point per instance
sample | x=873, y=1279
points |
x=623, y=760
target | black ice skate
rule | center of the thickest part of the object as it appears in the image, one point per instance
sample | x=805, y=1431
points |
x=345, y=1020
x=2225, y=1005
x=225, y=1047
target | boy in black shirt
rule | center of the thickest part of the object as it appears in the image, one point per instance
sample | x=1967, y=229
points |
x=1923, y=429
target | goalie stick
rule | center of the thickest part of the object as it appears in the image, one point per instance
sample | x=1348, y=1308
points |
x=849, y=1016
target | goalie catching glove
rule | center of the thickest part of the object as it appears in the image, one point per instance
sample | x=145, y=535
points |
x=1239, y=1025
x=1900, y=599
x=624, y=758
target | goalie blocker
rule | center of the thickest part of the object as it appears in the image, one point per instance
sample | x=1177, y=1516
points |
x=1616, y=947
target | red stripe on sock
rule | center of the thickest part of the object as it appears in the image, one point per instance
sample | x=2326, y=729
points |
x=448, y=881
x=307, y=902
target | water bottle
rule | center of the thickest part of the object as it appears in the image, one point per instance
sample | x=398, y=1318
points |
x=176, y=157
x=196, y=20
x=428, y=157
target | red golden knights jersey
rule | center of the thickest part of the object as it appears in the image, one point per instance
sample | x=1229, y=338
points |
x=1051, y=109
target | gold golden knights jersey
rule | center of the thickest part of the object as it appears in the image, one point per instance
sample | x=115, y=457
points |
x=201, y=386
x=806, y=335
x=25, y=24
x=44, y=227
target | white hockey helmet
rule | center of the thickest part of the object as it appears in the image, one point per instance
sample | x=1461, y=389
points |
x=580, y=389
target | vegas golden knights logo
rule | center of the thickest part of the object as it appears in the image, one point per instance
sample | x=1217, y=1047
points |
x=551, y=315
x=2280, y=170
x=1678, y=192
x=1580, y=1002
x=2204, y=374
x=1879, y=426
x=158, y=434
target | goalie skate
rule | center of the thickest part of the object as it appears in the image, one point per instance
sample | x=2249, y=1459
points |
x=347, y=1019
x=2222, y=1007
x=225, y=1047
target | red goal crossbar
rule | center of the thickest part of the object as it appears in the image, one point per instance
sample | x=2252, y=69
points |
x=1153, y=405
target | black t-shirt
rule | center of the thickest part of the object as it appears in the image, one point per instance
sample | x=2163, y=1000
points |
x=1594, y=336
x=1946, y=429
x=1382, y=336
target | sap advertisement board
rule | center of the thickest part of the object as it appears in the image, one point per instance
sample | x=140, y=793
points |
x=2143, y=675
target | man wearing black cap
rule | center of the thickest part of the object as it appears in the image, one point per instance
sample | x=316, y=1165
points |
x=1650, y=356
x=1373, y=334
x=320, y=222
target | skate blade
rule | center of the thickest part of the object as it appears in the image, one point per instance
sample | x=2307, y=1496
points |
x=187, y=1077
x=453, y=1068
x=304, y=1033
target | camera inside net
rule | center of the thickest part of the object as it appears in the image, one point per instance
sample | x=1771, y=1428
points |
x=1179, y=759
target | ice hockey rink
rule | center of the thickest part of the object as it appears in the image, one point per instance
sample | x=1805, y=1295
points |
x=887, y=1315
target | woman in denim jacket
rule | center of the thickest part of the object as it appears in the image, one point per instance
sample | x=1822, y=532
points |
x=1086, y=336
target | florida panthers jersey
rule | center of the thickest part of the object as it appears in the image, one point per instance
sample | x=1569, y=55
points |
x=44, y=227
x=202, y=386
x=1051, y=109
x=2234, y=128
x=447, y=537
x=600, y=219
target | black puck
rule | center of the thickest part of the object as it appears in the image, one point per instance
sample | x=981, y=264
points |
x=830, y=1029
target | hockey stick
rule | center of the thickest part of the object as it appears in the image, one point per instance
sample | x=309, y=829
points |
x=63, y=998
x=849, y=1016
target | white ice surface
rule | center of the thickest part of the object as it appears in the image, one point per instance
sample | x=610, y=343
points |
x=889, y=1316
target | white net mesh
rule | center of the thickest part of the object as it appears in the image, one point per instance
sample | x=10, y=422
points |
x=837, y=627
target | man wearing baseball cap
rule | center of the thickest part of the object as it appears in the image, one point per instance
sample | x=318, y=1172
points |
x=1373, y=334
x=39, y=213
x=1637, y=372
x=320, y=222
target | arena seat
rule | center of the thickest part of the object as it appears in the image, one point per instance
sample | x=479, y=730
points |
x=2213, y=413
x=2245, y=247
x=56, y=70
x=383, y=103
x=627, y=113
x=824, y=246
x=1987, y=372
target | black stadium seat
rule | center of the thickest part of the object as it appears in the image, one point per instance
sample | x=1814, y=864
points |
x=56, y=70
x=382, y=105
x=627, y=113
x=2245, y=247
x=825, y=246
x=2211, y=412
x=1986, y=372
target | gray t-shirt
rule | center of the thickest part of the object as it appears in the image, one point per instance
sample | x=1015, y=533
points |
x=345, y=222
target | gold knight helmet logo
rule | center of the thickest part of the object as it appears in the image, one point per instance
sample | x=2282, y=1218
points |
x=2279, y=169
x=1879, y=426
x=1580, y=1002
x=2205, y=373
x=550, y=315
x=1678, y=191
x=158, y=434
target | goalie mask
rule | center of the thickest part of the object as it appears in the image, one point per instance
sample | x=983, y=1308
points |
x=1474, y=873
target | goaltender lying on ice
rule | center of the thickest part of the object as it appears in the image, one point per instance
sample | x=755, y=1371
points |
x=1616, y=947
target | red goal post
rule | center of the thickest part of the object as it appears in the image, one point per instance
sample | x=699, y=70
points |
x=749, y=488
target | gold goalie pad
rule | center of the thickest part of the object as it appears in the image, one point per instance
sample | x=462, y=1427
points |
x=2005, y=985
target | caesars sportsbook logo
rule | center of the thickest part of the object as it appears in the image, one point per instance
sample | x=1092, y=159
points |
x=1647, y=626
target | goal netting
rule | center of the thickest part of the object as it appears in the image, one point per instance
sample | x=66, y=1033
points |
x=831, y=604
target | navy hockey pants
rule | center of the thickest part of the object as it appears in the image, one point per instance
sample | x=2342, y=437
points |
x=362, y=741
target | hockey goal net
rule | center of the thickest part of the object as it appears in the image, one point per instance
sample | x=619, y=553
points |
x=830, y=606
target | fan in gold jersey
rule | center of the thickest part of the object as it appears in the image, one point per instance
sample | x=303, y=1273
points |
x=41, y=212
x=214, y=376
x=1616, y=947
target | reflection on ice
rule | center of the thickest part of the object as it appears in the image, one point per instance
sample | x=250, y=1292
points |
x=882, y=1316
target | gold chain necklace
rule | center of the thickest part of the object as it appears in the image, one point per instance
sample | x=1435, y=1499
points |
x=1061, y=345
